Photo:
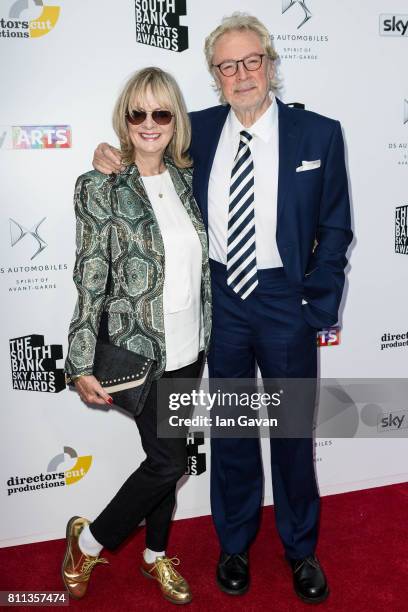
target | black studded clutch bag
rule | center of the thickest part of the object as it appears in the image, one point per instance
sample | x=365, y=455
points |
x=125, y=375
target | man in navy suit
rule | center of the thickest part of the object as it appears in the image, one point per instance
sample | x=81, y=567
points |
x=272, y=187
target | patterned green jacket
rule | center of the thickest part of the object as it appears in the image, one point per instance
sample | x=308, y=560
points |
x=117, y=228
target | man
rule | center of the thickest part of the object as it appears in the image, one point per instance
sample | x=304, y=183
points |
x=272, y=187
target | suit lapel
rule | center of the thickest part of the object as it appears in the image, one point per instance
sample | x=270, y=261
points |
x=212, y=131
x=131, y=177
x=182, y=183
x=288, y=145
x=178, y=179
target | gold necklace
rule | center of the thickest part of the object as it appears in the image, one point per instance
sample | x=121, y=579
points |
x=161, y=185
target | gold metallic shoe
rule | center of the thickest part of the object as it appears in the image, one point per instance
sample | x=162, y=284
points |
x=77, y=567
x=172, y=585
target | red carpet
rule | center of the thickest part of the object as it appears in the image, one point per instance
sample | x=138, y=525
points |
x=363, y=548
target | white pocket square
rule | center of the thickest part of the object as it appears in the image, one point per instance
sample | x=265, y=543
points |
x=308, y=165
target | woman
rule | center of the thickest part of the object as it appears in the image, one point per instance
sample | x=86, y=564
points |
x=142, y=229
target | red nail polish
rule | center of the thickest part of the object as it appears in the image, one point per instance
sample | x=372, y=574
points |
x=110, y=400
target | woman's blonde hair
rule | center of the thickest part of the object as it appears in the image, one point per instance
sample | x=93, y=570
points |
x=239, y=22
x=168, y=95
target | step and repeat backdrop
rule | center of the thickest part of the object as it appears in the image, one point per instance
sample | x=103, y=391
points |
x=63, y=65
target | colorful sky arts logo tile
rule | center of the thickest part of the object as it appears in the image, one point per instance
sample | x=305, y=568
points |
x=328, y=337
x=19, y=25
x=41, y=137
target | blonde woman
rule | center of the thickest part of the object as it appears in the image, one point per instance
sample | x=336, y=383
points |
x=143, y=229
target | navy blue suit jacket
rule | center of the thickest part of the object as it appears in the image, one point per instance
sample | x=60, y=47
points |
x=313, y=217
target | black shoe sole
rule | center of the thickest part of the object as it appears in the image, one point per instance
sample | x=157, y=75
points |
x=313, y=600
x=225, y=589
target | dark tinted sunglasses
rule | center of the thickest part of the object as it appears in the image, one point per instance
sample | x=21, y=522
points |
x=161, y=117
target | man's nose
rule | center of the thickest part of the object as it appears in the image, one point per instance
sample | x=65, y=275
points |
x=241, y=71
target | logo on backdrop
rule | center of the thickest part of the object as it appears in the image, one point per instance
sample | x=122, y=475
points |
x=17, y=25
x=298, y=44
x=393, y=25
x=394, y=340
x=28, y=241
x=398, y=419
x=196, y=461
x=54, y=475
x=18, y=232
x=35, y=137
x=158, y=24
x=401, y=230
x=400, y=149
x=33, y=365
x=329, y=337
x=321, y=447
x=287, y=4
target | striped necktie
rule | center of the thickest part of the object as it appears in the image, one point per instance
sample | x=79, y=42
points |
x=241, y=250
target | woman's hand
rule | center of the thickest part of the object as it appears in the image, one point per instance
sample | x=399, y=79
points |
x=107, y=159
x=91, y=392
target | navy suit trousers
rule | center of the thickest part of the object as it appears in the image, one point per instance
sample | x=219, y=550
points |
x=267, y=329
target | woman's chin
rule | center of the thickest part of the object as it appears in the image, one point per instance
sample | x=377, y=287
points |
x=146, y=147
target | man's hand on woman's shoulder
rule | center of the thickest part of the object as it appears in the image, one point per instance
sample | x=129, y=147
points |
x=107, y=159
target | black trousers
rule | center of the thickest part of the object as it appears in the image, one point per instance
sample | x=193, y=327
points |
x=150, y=491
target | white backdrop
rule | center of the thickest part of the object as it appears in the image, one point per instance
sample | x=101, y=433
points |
x=61, y=71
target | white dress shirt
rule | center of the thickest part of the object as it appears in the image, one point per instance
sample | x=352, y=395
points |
x=182, y=276
x=265, y=154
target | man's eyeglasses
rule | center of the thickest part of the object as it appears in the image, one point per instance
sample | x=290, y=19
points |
x=251, y=63
x=161, y=117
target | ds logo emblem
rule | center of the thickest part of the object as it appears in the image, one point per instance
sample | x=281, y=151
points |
x=18, y=232
x=287, y=4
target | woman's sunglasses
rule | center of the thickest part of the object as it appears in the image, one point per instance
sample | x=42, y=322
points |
x=161, y=117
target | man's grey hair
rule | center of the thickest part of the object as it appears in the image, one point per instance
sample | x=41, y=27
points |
x=235, y=23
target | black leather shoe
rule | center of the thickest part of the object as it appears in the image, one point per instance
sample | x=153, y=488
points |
x=233, y=573
x=309, y=581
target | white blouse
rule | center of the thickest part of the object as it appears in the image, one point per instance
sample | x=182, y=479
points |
x=182, y=273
